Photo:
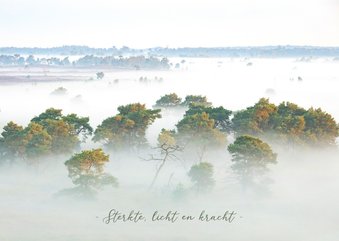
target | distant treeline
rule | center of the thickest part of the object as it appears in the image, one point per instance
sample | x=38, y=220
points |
x=264, y=51
x=133, y=62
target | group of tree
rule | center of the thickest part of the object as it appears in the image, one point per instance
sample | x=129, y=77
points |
x=202, y=125
x=206, y=126
x=250, y=160
x=286, y=124
x=46, y=134
x=132, y=62
x=173, y=100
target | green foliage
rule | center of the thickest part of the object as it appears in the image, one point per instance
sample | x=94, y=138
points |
x=64, y=140
x=141, y=116
x=48, y=133
x=80, y=124
x=220, y=115
x=77, y=125
x=251, y=156
x=169, y=100
x=86, y=169
x=31, y=142
x=320, y=128
x=116, y=132
x=202, y=176
x=287, y=123
x=196, y=100
x=64, y=130
x=127, y=128
x=12, y=141
x=254, y=120
x=49, y=114
x=200, y=129
x=167, y=138
x=37, y=141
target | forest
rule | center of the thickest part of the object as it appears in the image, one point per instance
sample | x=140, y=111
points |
x=253, y=137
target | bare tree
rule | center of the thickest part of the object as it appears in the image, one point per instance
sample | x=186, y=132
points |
x=167, y=152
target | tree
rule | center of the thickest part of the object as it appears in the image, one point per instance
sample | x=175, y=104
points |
x=86, y=170
x=100, y=75
x=202, y=176
x=199, y=129
x=26, y=143
x=77, y=125
x=168, y=149
x=116, y=132
x=80, y=124
x=37, y=141
x=12, y=141
x=49, y=114
x=250, y=156
x=254, y=120
x=289, y=124
x=320, y=129
x=167, y=138
x=197, y=100
x=64, y=138
x=59, y=91
x=128, y=128
x=169, y=100
x=220, y=115
x=29, y=143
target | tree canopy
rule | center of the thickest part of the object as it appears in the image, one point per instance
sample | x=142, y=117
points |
x=127, y=128
x=220, y=115
x=202, y=176
x=286, y=123
x=251, y=156
x=169, y=100
x=199, y=129
x=196, y=100
x=86, y=169
x=48, y=133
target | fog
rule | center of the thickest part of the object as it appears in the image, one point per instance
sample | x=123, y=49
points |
x=297, y=200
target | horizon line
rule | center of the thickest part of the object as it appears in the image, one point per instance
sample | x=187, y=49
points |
x=167, y=47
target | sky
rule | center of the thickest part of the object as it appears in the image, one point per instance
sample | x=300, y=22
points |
x=168, y=23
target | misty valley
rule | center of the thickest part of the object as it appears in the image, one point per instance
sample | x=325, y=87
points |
x=136, y=142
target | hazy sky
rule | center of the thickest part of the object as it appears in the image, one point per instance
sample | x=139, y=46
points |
x=173, y=23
